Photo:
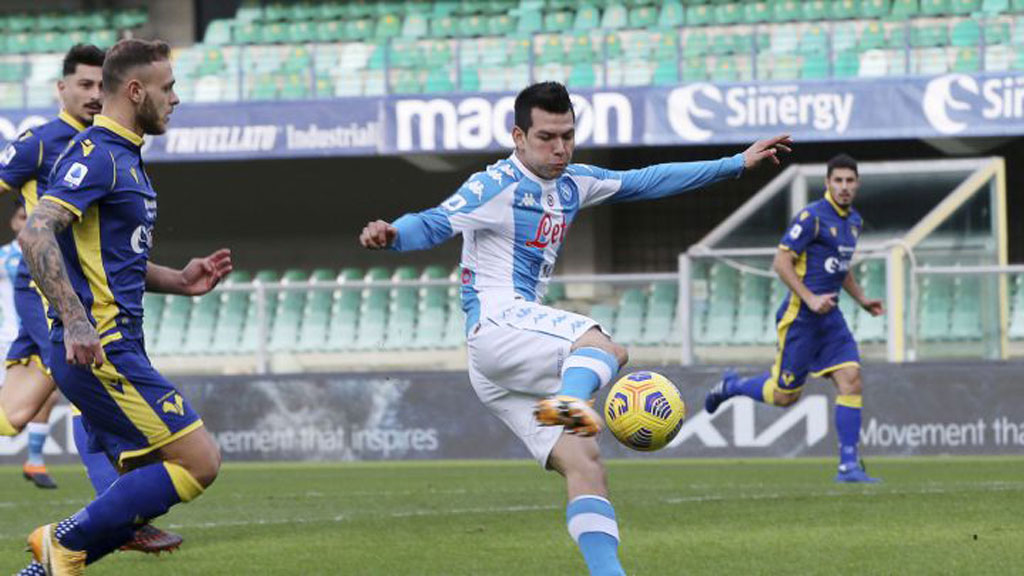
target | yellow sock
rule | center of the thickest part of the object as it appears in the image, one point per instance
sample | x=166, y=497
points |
x=187, y=487
x=6, y=428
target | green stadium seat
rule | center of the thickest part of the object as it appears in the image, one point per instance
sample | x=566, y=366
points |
x=501, y=25
x=696, y=42
x=660, y=314
x=295, y=87
x=847, y=64
x=201, y=324
x=615, y=16
x=550, y=50
x=814, y=67
x=530, y=22
x=20, y=43
x=344, y=312
x=672, y=14
x=925, y=35
x=964, y=7
x=753, y=308
x=330, y=31
x=249, y=11
x=276, y=11
x=432, y=316
x=934, y=7
x=727, y=14
x=786, y=11
x=723, y=289
x=153, y=311
x=935, y=308
x=444, y=27
x=403, y=307
x=219, y=32
x=666, y=45
x=439, y=80
x=873, y=36
x=24, y=23
x=844, y=36
x=1016, y=328
x=416, y=25
x=171, y=335
x=128, y=19
x=997, y=32
x=784, y=39
x=276, y=33
x=875, y=9
x=756, y=12
x=558, y=21
x=844, y=9
x=700, y=15
x=581, y=49
x=813, y=40
x=929, y=61
x=666, y=73
x=388, y=26
x=469, y=79
x=966, y=33
x=519, y=47
x=630, y=316
x=371, y=332
x=995, y=7
x=438, y=53
x=643, y=17
x=998, y=58
x=968, y=59
x=361, y=29
x=903, y=9
x=695, y=69
x=473, y=25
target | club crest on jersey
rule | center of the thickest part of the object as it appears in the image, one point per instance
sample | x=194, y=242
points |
x=76, y=174
x=549, y=231
x=87, y=147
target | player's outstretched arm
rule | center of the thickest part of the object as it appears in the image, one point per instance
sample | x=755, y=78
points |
x=785, y=268
x=767, y=150
x=39, y=245
x=200, y=276
x=853, y=288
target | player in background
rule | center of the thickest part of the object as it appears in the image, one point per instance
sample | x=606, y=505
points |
x=526, y=358
x=34, y=469
x=28, y=391
x=87, y=245
x=813, y=260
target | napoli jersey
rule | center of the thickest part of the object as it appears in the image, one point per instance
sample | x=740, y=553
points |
x=10, y=257
x=102, y=180
x=824, y=237
x=26, y=163
x=513, y=223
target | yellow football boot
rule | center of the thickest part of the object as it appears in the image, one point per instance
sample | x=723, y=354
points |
x=55, y=558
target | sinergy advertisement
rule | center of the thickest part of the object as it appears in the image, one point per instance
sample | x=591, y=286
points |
x=909, y=410
x=950, y=105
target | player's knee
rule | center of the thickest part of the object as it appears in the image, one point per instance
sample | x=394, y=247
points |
x=20, y=416
x=785, y=398
x=203, y=463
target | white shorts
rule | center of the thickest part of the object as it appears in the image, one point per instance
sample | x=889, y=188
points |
x=515, y=358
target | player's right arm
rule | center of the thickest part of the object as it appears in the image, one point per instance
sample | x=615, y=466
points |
x=80, y=178
x=801, y=232
x=479, y=203
x=20, y=161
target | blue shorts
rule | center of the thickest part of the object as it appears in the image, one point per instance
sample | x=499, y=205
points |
x=128, y=408
x=818, y=344
x=32, y=346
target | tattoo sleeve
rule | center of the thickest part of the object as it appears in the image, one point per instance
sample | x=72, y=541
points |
x=46, y=263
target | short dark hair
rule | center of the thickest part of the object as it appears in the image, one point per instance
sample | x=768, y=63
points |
x=842, y=161
x=131, y=53
x=85, y=54
x=548, y=96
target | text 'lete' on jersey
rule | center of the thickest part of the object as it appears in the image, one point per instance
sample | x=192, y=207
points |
x=513, y=223
x=102, y=180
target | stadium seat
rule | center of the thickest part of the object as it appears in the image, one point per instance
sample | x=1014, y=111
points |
x=929, y=61
x=201, y=324
x=433, y=314
x=786, y=11
x=965, y=320
x=964, y=7
x=373, y=312
x=153, y=310
x=402, y=311
x=813, y=40
x=936, y=305
x=723, y=288
x=872, y=36
x=875, y=9
x=696, y=42
x=582, y=76
x=756, y=12
x=615, y=16
x=998, y=58
x=752, y=311
x=967, y=60
x=630, y=316
x=1016, y=329
x=845, y=9
x=642, y=17
x=966, y=33
x=814, y=67
x=287, y=312
x=700, y=15
x=847, y=64
x=996, y=32
x=438, y=80
x=727, y=14
x=666, y=73
x=672, y=14
x=903, y=9
x=580, y=49
x=927, y=35
x=170, y=337
x=934, y=7
x=530, y=22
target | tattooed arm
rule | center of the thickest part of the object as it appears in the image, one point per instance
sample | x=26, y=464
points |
x=46, y=263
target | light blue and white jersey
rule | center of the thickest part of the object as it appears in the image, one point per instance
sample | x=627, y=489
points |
x=513, y=222
x=10, y=257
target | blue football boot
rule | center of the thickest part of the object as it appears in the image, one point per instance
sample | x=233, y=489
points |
x=717, y=394
x=855, y=474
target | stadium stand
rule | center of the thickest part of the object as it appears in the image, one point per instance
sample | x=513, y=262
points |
x=303, y=50
x=740, y=312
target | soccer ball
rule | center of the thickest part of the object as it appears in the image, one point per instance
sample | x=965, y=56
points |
x=644, y=411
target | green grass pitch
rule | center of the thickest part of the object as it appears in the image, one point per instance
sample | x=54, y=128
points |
x=932, y=516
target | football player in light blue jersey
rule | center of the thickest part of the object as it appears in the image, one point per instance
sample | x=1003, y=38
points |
x=535, y=367
x=813, y=261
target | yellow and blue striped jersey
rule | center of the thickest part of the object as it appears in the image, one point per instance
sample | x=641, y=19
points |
x=102, y=180
x=26, y=163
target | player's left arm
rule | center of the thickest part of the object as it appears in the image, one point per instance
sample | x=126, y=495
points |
x=662, y=180
x=198, y=277
x=852, y=287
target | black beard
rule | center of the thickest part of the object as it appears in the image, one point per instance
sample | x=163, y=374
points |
x=149, y=119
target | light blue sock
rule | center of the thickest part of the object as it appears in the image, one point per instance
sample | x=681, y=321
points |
x=585, y=371
x=749, y=387
x=37, y=433
x=97, y=465
x=592, y=525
